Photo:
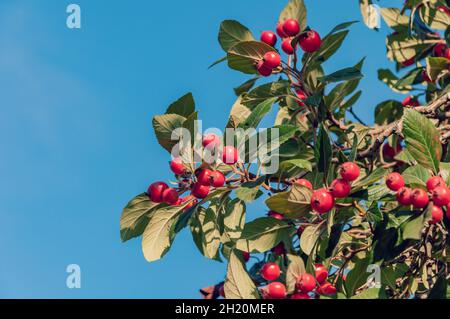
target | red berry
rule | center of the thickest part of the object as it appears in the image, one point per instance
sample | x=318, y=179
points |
x=262, y=69
x=349, y=171
x=395, y=181
x=389, y=152
x=419, y=198
x=276, y=290
x=434, y=182
x=230, y=155
x=217, y=179
x=310, y=41
x=192, y=202
x=200, y=191
x=340, y=188
x=270, y=271
x=306, y=283
x=410, y=101
x=446, y=54
x=268, y=37
x=287, y=47
x=155, y=191
x=327, y=289
x=280, y=31
x=279, y=249
x=322, y=201
x=300, y=295
x=426, y=77
x=404, y=196
x=246, y=256
x=272, y=60
x=275, y=215
x=302, y=96
x=321, y=273
x=304, y=182
x=204, y=177
x=444, y=9
x=291, y=27
x=170, y=196
x=409, y=62
x=222, y=291
x=177, y=167
x=211, y=141
x=439, y=49
x=436, y=214
x=441, y=196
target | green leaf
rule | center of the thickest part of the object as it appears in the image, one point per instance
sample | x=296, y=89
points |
x=295, y=9
x=238, y=284
x=394, y=19
x=388, y=111
x=412, y=77
x=412, y=229
x=341, y=26
x=266, y=91
x=231, y=33
x=218, y=62
x=323, y=150
x=211, y=232
x=296, y=163
x=435, y=66
x=234, y=219
x=293, y=204
x=184, y=106
x=309, y=238
x=358, y=275
x=257, y=114
x=371, y=293
x=378, y=174
x=422, y=139
x=433, y=17
x=386, y=76
x=346, y=74
x=135, y=216
x=262, y=234
x=243, y=56
x=402, y=47
x=416, y=176
x=246, y=86
x=295, y=269
x=164, y=125
x=330, y=45
x=157, y=237
x=248, y=191
x=365, y=6
x=239, y=112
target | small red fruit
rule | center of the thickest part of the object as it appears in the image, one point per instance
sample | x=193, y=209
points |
x=262, y=69
x=272, y=60
x=302, y=96
x=246, y=256
x=200, y=191
x=204, y=177
x=300, y=295
x=211, y=141
x=217, y=179
x=327, y=289
x=177, y=167
x=192, y=202
x=275, y=215
x=395, y=181
x=436, y=214
x=268, y=37
x=444, y=9
x=410, y=101
x=306, y=283
x=439, y=49
x=404, y=196
x=441, y=196
x=349, y=171
x=270, y=271
x=426, y=77
x=434, y=182
x=155, y=191
x=222, y=291
x=409, y=62
x=340, y=188
x=280, y=30
x=419, y=198
x=321, y=273
x=279, y=249
x=389, y=152
x=310, y=41
x=276, y=290
x=304, y=182
x=230, y=155
x=291, y=27
x=446, y=54
x=287, y=47
x=170, y=196
x=322, y=201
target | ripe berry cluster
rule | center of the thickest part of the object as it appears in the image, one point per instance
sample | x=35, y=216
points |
x=437, y=193
x=309, y=41
x=199, y=183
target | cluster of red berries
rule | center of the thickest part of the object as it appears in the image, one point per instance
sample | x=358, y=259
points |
x=309, y=41
x=438, y=193
x=205, y=178
x=306, y=283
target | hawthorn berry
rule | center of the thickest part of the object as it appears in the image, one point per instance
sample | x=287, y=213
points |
x=287, y=47
x=306, y=283
x=272, y=60
x=349, y=171
x=291, y=27
x=426, y=77
x=439, y=49
x=340, y=188
x=263, y=69
x=389, y=152
x=321, y=273
x=419, y=198
x=441, y=196
x=409, y=62
x=276, y=290
x=436, y=214
x=217, y=179
x=395, y=181
x=155, y=191
x=310, y=41
x=270, y=271
x=301, y=95
x=275, y=215
x=246, y=256
x=410, y=101
x=200, y=191
x=280, y=30
x=204, y=177
x=327, y=289
x=268, y=37
x=434, y=182
x=192, y=202
x=446, y=54
x=304, y=182
x=444, y=9
x=177, y=167
x=230, y=155
x=212, y=141
x=322, y=201
x=300, y=295
x=279, y=249
x=222, y=291
x=404, y=196
x=170, y=196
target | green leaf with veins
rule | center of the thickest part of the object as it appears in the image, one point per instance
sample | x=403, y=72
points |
x=231, y=33
x=243, y=56
x=238, y=284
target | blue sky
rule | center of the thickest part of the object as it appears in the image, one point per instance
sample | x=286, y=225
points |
x=76, y=141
